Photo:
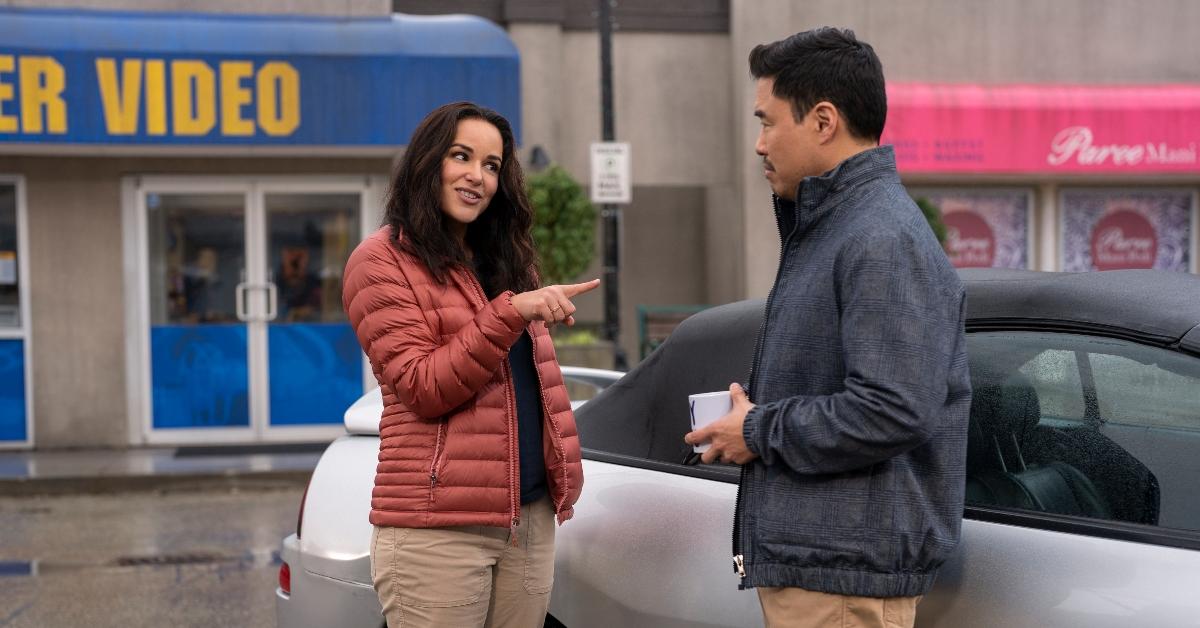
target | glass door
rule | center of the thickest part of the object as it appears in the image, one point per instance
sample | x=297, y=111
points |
x=242, y=334
x=15, y=389
x=200, y=304
x=314, y=363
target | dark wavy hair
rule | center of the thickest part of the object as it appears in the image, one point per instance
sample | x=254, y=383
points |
x=500, y=239
x=827, y=64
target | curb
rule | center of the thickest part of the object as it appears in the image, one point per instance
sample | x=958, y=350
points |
x=174, y=482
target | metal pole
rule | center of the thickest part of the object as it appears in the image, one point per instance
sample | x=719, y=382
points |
x=609, y=212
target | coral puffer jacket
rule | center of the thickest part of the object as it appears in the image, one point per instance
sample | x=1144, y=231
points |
x=448, y=436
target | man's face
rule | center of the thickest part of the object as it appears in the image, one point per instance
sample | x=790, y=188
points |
x=790, y=149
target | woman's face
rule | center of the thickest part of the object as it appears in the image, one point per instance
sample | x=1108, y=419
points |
x=470, y=172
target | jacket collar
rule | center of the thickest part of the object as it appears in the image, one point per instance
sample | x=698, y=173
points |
x=813, y=192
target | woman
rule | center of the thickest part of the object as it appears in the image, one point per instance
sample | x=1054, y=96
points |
x=478, y=449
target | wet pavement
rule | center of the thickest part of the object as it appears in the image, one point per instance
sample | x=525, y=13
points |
x=151, y=558
x=150, y=468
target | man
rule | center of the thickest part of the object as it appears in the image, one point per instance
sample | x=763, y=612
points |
x=852, y=436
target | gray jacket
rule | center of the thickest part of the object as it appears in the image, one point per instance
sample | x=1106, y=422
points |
x=862, y=391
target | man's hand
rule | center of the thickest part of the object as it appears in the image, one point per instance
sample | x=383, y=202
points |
x=725, y=433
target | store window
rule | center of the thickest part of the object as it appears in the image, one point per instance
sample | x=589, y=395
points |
x=14, y=427
x=10, y=294
x=1112, y=229
x=987, y=228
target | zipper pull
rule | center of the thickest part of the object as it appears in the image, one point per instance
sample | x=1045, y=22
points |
x=432, y=479
x=739, y=566
x=512, y=531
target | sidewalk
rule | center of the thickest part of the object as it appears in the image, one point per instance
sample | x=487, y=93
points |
x=57, y=472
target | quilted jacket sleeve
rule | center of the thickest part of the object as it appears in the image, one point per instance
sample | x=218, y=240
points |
x=429, y=377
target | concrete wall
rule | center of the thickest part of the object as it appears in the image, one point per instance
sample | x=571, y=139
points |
x=340, y=8
x=77, y=291
x=978, y=41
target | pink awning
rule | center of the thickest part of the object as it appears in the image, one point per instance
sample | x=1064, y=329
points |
x=1044, y=128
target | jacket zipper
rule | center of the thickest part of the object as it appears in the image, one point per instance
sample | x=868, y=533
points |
x=437, y=453
x=514, y=503
x=514, y=473
x=739, y=559
x=555, y=433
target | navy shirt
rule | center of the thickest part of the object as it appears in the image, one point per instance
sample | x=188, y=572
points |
x=529, y=419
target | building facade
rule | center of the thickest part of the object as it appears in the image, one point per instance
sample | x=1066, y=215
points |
x=1054, y=136
x=134, y=251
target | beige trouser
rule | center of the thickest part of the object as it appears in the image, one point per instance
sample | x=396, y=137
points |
x=799, y=608
x=468, y=576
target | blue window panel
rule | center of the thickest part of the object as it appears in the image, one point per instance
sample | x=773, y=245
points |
x=12, y=390
x=199, y=376
x=316, y=372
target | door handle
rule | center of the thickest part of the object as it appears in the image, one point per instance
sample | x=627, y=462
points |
x=239, y=297
x=272, y=301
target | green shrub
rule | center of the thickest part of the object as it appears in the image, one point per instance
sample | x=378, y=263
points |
x=933, y=214
x=564, y=224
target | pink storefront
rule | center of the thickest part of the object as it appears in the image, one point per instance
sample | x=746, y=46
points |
x=1055, y=177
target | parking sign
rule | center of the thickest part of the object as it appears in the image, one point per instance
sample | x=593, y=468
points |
x=612, y=177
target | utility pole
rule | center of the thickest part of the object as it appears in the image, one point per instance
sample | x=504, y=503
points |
x=611, y=213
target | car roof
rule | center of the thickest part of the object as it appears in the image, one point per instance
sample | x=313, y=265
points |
x=1155, y=306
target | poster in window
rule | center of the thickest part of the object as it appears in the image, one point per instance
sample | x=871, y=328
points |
x=1120, y=229
x=984, y=228
x=8, y=268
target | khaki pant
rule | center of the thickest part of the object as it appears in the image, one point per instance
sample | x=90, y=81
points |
x=799, y=608
x=466, y=577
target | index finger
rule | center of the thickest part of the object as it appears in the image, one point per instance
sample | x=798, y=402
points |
x=580, y=288
x=700, y=435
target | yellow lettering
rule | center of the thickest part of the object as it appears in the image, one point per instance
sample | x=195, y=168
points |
x=42, y=84
x=193, y=94
x=8, y=124
x=278, y=98
x=120, y=98
x=234, y=96
x=156, y=98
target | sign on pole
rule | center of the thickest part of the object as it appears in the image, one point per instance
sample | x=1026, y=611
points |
x=612, y=175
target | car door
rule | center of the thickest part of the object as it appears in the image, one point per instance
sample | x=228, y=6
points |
x=1074, y=518
x=649, y=546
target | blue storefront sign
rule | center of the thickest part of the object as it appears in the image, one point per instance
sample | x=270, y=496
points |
x=136, y=79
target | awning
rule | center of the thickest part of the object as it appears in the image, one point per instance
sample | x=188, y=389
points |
x=1044, y=128
x=103, y=78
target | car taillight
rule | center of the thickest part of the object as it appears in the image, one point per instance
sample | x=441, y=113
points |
x=285, y=578
x=300, y=515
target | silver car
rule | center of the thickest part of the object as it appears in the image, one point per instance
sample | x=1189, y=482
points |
x=1083, y=471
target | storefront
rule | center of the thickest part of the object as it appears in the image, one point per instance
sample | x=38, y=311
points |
x=1064, y=178
x=201, y=179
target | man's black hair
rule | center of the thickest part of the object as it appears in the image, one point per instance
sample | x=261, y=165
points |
x=828, y=64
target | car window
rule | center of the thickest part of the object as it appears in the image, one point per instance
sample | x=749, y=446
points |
x=1054, y=374
x=1085, y=426
x=1147, y=395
